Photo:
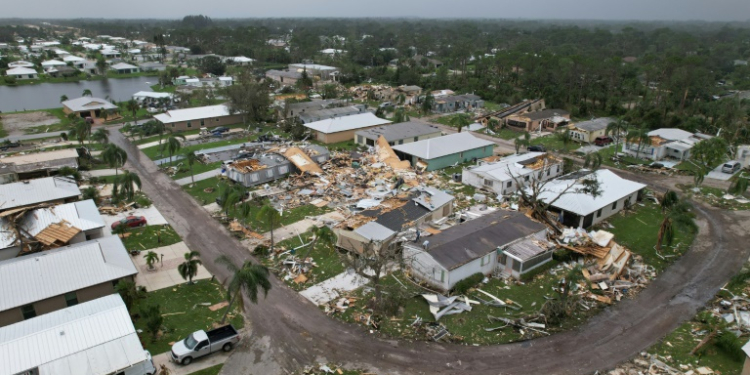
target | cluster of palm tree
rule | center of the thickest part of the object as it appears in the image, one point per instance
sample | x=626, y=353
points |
x=677, y=216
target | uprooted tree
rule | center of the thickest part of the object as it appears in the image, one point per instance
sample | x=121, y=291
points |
x=371, y=261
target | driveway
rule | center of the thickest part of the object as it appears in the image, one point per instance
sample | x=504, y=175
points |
x=151, y=213
x=289, y=332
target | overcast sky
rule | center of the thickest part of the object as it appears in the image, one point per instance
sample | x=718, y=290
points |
x=709, y=10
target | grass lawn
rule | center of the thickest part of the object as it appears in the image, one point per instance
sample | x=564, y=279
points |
x=3, y=132
x=213, y=370
x=327, y=258
x=552, y=143
x=151, y=237
x=197, y=168
x=608, y=152
x=183, y=312
x=200, y=195
x=445, y=120
x=504, y=133
x=154, y=152
x=341, y=146
x=638, y=229
x=492, y=106
x=470, y=326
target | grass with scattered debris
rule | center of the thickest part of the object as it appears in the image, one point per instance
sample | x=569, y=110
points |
x=340, y=146
x=553, y=143
x=446, y=120
x=715, y=197
x=469, y=327
x=213, y=370
x=608, y=152
x=638, y=228
x=327, y=260
x=198, y=168
x=151, y=237
x=503, y=133
x=198, y=190
x=184, y=313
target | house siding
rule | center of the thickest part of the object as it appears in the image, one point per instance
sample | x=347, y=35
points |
x=607, y=210
x=581, y=135
x=210, y=122
x=450, y=160
x=261, y=176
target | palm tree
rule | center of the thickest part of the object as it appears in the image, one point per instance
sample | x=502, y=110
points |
x=249, y=278
x=151, y=258
x=270, y=215
x=565, y=138
x=427, y=103
x=81, y=130
x=87, y=92
x=173, y=145
x=522, y=141
x=133, y=107
x=245, y=210
x=63, y=98
x=101, y=136
x=191, y=159
x=460, y=120
x=639, y=136
x=677, y=216
x=114, y=156
x=189, y=268
x=616, y=129
x=127, y=184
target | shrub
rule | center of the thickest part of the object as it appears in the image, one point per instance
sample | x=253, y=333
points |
x=464, y=285
x=154, y=320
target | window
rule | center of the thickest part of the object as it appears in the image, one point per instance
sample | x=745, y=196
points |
x=173, y=125
x=28, y=311
x=510, y=183
x=599, y=213
x=283, y=169
x=548, y=172
x=488, y=182
x=416, y=139
x=269, y=173
x=558, y=168
x=525, y=178
x=203, y=122
x=189, y=125
x=461, y=155
x=216, y=120
x=442, y=276
x=71, y=299
x=359, y=139
x=614, y=205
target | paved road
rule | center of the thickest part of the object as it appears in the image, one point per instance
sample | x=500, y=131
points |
x=289, y=332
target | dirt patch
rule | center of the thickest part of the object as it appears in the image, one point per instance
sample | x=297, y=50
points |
x=16, y=123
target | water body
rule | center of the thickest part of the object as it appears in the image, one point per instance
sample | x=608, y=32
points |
x=47, y=95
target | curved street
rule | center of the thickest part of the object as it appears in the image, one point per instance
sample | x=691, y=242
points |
x=289, y=332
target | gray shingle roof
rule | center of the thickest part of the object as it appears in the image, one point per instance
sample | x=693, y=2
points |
x=594, y=125
x=399, y=131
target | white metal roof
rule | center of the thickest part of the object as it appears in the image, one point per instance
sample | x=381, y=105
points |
x=241, y=59
x=432, y=198
x=197, y=113
x=49, y=63
x=21, y=64
x=73, y=58
x=312, y=67
x=87, y=103
x=25, y=193
x=345, y=123
x=374, y=231
x=20, y=71
x=612, y=186
x=670, y=134
x=152, y=94
x=92, y=338
x=82, y=215
x=39, y=276
x=441, y=146
x=120, y=66
x=506, y=168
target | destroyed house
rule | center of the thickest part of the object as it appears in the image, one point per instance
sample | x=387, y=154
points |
x=394, y=216
x=454, y=103
x=35, y=165
x=49, y=227
x=576, y=207
x=398, y=134
x=51, y=280
x=326, y=113
x=522, y=107
x=53, y=190
x=262, y=169
x=505, y=175
x=546, y=119
x=492, y=243
x=442, y=152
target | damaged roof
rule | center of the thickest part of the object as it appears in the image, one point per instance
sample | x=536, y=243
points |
x=611, y=189
x=26, y=193
x=474, y=239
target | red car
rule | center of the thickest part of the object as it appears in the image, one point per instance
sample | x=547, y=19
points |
x=603, y=141
x=130, y=221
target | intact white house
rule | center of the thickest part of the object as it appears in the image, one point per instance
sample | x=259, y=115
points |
x=22, y=73
x=577, y=208
x=504, y=176
x=502, y=242
x=666, y=143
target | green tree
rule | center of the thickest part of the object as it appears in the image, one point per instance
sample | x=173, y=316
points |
x=270, y=216
x=130, y=293
x=63, y=98
x=151, y=258
x=87, y=92
x=616, y=129
x=189, y=268
x=133, y=107
x=564, y=305
x=520, y=142
x=739, y=184
x=191, y=158
x=641, y=137
x=127, y=184
x=92, y=193
x=427, y=103
x=153, y=317
x=114, y=156
x=100, y=136
x=400, y=116
x=677, y=215
x=330, y=91
x=249, y=98
x=250, y=279
x=460, y=120
x=80, y=130
x=565, y=138
x=173, y=145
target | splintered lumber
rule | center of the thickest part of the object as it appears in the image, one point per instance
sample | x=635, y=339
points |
x=593, y=250
x=498, y=300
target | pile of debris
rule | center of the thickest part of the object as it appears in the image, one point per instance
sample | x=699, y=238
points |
x=658, y=365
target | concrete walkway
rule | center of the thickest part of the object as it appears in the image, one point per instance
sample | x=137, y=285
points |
x=328, y=290
x=197, y=365
x=165, y=274
x=199, y=177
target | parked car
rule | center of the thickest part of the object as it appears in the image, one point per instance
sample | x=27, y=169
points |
x=603, y=140
x=731, y=167
x=130, y=221
x=536, y=148
x=220, y=129
x=202, y=343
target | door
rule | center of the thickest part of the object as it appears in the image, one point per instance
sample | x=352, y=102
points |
x=202, y=349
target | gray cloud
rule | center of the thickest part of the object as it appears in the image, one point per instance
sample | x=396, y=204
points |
x=709, y=10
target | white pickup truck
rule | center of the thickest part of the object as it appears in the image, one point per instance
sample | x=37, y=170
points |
x=201, y=343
